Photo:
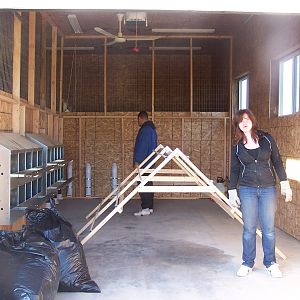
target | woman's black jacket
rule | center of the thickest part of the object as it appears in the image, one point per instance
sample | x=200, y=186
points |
x=248, y=171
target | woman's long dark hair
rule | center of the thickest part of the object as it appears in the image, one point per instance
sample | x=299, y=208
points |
x=238, y=133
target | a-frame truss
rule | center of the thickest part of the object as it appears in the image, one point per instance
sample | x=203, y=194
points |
x=185, y=178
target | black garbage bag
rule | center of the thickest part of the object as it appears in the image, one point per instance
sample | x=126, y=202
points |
x=29, y=266
x=74, y=273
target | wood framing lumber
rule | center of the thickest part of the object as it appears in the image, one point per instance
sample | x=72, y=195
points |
x=182, y=179
x=168, y=171
x=213, y=195
x=199, y=183
x=169, y=155
x=175, y=189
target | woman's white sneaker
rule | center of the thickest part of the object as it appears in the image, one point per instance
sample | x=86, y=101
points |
x=243, y=271
x=274, y=271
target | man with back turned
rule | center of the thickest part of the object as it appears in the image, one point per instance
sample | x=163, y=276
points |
x=145, y=143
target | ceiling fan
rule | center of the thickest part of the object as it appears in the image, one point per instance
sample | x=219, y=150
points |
x=119, y=38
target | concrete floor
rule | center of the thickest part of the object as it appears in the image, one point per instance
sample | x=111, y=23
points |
x=188, y=249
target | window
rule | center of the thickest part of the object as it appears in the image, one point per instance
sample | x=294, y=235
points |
x=243, y=92
x=289, y=85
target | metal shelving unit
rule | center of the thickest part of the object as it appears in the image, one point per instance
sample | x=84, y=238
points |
x=31, y=170
x=53, y=162
x=21, y=174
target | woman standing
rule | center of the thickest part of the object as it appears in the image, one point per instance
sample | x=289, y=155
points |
x=255, y=158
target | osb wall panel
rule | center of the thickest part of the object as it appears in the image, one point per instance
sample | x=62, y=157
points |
x=5, y=116
x=104, y=140
x=287, y=138
x=260, y=41
x=88, y=139
x=71, y=148
x=106, y=154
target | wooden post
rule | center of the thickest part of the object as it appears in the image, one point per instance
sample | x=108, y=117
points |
x=16, y=118
x=104, y=78
x=230, y=101
x=191, y=76
x=123, y=150
x=22, y=119
x=53, y=69
x=225, y=149
x=153, y=82
x=43, y=65
x=36, y=121
x=55, y=127
x=50, y=125
x=31, y=57
x=16, y=74
x=182, y=133
x=61, y=74
x=79, y=158
x=61, y=130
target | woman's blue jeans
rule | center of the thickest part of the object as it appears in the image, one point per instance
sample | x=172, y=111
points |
x=258, y=206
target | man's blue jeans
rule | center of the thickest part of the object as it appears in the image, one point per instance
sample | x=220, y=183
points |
x=258, y=205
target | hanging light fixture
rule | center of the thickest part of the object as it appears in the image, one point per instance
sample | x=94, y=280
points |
x=136, y=49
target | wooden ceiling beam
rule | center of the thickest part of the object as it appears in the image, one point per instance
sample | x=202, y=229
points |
x=83, y=36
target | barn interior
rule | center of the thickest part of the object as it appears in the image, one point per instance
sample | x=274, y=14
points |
x=72, y=83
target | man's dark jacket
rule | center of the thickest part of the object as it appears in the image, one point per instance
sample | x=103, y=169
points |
x=145, y=142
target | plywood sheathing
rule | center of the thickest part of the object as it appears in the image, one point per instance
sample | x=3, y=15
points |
x=108, y=149
x=287, y=216
x=71, y=147
x=287, y=138
x=108, y=139
x=5, y=116
x=89, y=141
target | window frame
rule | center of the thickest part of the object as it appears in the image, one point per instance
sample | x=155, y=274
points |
x=295, y=56
x=239, y=87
